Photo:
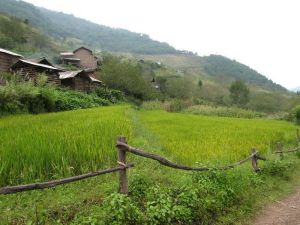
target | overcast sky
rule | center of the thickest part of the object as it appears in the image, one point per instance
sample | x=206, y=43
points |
x=263, y=34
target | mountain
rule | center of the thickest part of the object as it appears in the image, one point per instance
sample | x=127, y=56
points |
x=78, y=31
x=18, y=35
x=71, y=32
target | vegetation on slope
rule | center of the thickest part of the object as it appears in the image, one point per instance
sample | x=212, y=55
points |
x=61, y=26
x=18, y=35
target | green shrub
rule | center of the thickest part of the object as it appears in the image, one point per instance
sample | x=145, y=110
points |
x=120, y=209
x=37, y=97
x=111, y=95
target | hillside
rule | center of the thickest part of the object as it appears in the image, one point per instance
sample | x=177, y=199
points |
x=217, y=72
x=62, y=27
x=18, y=35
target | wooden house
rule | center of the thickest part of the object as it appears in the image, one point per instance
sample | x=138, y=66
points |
x=87, y=58
x=81, y=57
x=81, y=80
x=29, y=70
x=7, y=59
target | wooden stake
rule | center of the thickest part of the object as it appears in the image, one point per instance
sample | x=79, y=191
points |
x=254, y=161
x=123, y=183
x=298, y=135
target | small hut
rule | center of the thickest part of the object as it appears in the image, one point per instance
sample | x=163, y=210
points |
x=80, y=80
x=7, y=59
x=29, y=70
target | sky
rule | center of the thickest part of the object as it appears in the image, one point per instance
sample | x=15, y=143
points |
x=263, y=34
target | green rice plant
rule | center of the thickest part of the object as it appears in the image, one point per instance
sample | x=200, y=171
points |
x=197, y=140
x=223, y=111
x=47, y=146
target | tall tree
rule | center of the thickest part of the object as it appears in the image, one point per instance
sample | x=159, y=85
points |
x=239, y=92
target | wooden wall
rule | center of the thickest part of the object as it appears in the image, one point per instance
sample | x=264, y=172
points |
x=6, y=61
x=87, y=59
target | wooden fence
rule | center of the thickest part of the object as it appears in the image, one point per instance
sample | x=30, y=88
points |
x=123, y=148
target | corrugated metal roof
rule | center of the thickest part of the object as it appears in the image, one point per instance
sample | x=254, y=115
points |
x=9, y=52
x=69, y=74
x=37, y=64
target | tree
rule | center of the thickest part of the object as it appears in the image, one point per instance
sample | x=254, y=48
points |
x=239, y=92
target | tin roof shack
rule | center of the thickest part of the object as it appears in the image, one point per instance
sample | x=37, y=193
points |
x=80, y=80
x=29, y=70
x=7, y=59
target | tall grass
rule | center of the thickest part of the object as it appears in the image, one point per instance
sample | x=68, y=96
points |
x=195, y=140
x=40, y=147
x=223, y=111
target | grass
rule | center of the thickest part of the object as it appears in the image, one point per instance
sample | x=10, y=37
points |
x=223, y=111
x=56, y=145
x=47, y=146
x=192, y=139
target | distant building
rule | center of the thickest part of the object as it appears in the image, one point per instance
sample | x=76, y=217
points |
x=81, y=57
x=7, y=59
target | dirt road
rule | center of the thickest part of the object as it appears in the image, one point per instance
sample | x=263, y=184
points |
x=284, y=212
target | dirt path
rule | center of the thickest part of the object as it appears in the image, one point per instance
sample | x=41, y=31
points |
x=284, y=212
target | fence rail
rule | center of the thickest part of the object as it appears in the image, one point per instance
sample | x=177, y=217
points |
x=123, y=148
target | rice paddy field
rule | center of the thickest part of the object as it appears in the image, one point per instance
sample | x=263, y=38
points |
x=35, y=148
x=48, y=146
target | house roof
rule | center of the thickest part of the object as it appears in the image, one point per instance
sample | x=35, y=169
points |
x=9, y=52
x=71, y=74
x=35, y=64
x=82, y=47
x=42, y=60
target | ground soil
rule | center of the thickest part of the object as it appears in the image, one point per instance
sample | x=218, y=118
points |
x=283, y=212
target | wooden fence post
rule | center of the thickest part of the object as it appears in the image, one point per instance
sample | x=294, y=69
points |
x=298, y=135
x=254, y=161
x=280, y=149
x=123, y=183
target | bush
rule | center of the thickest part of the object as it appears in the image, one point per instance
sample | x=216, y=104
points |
x=153, y=105
x=295, y=114
x=111, y=95
x=28, y=97
x=120, y=209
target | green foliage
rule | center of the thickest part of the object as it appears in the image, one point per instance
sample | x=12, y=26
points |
x=111, y=95
x=120, y=209
x=218, y=66
x=125, y=76
x=21, y=97
x=239, y=92
x=223, y=111
x=18, y=35
x=61, y=26
x=278, y=167
x=295, y=114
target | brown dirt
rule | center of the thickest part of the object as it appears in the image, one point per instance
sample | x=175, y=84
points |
x=284, y=212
